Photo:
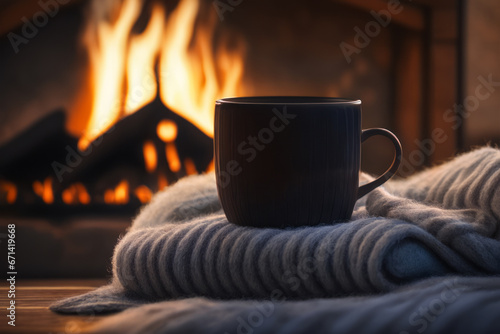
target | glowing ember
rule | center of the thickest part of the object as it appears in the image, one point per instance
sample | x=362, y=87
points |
x=68, y=195
x=119, y=195
x=167, y=131
x=75, y=194
x=83, y=195
x=210, y=167
x=44, y=190
x=190, y=167
x=10, y=191
x=150, y=156
x=143, y=193
x=109, y=196
x=162, y=181
x=173, y=160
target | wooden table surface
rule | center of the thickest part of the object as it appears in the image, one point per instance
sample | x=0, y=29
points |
x=33, y=298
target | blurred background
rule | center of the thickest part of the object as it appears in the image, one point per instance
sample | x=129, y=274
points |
x=105, y=102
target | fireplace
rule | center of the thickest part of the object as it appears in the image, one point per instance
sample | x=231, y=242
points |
x=140, y=117
x=108, y=102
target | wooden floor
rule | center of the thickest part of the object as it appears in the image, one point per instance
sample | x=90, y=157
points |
x=33, y=298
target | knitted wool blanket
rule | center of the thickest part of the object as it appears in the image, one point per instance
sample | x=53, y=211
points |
x=442, y=221
x=458, y=305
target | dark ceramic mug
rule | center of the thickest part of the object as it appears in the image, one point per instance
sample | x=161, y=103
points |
x=291, y=161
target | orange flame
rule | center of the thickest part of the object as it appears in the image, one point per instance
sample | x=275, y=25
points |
x=75, y=194
x=119, y=195
x=83, y=195
x=44, y=190
x=143, y=193
x=210, y=167
x=144, y=49
x=109, y=196
x=107, y=46
x=150, y=156
x=190, y=167
x=162, y=181
x=192, y=86
x=173, y=157
x=122, y=75
x=10, y=191
x=166, y=130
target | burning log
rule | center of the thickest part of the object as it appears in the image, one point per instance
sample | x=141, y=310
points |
x=49, y=171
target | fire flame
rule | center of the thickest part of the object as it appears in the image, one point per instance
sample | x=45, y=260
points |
x=75, y=194
x=150, y=156
x=192, y=86
x=143, y=52
x=44, y=190
x=190, y=167
x=10, y=191
x=211, y=166
x=172, y=157
x=176, y=58
x=143, y=193
x=162, y=181
x=107, y=49
x=167, y=131
x=122, y=74
x=118, y=195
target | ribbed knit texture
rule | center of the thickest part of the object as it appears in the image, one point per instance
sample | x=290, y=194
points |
x=458, y=305
x=442, y=221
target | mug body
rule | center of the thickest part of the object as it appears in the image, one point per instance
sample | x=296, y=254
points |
x=287, y=161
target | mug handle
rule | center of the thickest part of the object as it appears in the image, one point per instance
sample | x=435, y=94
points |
x=365, y=134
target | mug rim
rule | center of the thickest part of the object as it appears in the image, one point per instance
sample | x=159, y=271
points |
x=280, y=100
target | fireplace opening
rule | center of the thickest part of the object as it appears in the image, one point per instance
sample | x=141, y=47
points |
x=140, y=119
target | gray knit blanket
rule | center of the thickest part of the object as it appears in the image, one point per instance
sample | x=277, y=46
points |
x=441, y=222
